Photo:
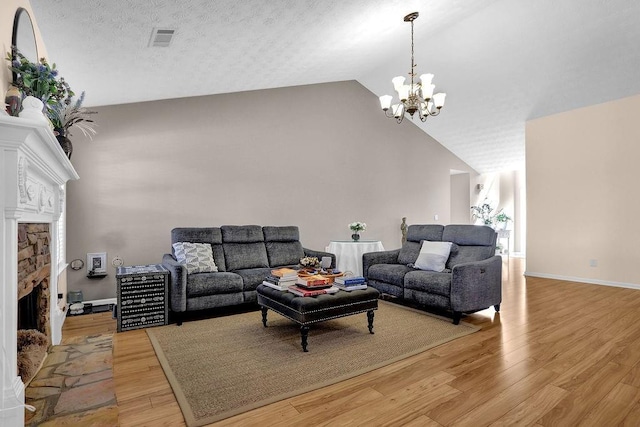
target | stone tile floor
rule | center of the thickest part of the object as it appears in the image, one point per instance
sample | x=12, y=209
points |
x=75, y=385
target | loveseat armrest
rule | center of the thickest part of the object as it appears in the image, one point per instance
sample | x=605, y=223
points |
x=383, y=257
x=476, y=285
x=177, y=283
x=319, y=255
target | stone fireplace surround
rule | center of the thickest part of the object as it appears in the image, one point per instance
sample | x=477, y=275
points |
x=34, y=269
x=33, y=172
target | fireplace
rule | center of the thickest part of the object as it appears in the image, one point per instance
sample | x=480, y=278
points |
x=33, y=173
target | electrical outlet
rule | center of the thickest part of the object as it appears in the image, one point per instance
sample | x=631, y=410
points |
x=435, y=217
x=593, y=263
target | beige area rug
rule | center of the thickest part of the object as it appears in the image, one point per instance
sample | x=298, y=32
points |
x=224, y=366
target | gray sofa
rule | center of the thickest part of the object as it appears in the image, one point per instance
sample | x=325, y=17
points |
x=244, y=256
x=471, y=281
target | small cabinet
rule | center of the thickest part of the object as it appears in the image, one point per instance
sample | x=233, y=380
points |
x=142, y=296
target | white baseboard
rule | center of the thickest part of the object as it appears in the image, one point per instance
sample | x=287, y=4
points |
x=583, y=280
x=102, y=301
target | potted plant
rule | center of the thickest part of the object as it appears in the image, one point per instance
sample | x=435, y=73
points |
x=483, y=213
x=502, y=220
x=69, y=114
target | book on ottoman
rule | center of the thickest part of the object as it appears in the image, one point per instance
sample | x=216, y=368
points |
x=302, y=292
x=350, y=288
x=285, y=273
x=351, y=280
x=283, y=286
x=313, y=281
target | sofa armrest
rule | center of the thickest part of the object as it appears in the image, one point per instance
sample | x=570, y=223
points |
x=476, y=285
x=384, y=257
x=177, y=283
x=319, y=255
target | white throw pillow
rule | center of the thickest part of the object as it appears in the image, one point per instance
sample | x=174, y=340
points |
x=197, y=257
x=433, y=255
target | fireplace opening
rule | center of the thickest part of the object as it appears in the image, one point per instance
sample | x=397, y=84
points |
x=29, y=310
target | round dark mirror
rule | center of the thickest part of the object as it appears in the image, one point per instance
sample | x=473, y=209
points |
x=23, y=36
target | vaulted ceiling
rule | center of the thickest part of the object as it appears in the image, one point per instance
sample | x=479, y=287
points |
x=501, y=62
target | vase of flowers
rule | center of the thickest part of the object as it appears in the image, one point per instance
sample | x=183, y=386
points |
x=39, y=80
x=309, y=263
x=357, y=227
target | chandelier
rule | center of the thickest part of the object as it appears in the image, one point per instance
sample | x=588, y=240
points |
x=414, y=97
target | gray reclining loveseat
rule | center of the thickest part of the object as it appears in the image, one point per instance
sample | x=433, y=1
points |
x=471, y=279
x=243, y=254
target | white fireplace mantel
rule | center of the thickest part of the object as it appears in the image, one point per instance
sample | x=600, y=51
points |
x=33, y=171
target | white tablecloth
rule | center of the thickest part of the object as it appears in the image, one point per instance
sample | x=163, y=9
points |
x=349, y=254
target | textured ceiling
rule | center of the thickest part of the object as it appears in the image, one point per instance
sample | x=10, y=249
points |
x=501, y=62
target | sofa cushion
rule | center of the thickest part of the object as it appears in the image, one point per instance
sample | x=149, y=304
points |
x=211, y=235
x=419, y=232
x=241, y=234
x=202, y=284
x=415, y=235
x=388, y=273
x=283, y=245
x=252, y=277
x=469, y=235
x=197, y=257
x=475, y=243
x=428, y=281
x=245, y=255
x=469, y=254
x=284, y=253
x=433, y=255
x=281, y=234
x=409, y=253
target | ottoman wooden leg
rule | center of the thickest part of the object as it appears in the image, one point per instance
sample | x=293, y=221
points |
x=370, y=319
x=264, y=316
x=304, y=333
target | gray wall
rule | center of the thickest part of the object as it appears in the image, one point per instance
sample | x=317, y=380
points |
x=318, y=156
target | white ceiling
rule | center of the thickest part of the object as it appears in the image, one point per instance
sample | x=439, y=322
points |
x=501, y=62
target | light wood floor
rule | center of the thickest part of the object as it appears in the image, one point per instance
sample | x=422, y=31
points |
x=559, y=353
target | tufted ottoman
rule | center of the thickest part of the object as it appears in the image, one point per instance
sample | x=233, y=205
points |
x=308, y=310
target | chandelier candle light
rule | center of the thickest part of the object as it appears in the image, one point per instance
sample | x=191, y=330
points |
x=414, y=97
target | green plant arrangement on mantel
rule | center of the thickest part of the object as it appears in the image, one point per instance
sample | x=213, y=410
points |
x=43, y=82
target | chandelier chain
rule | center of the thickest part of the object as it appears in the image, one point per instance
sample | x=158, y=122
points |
x=413, y=65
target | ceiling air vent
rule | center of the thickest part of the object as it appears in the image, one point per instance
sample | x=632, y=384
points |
x=161, y=37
